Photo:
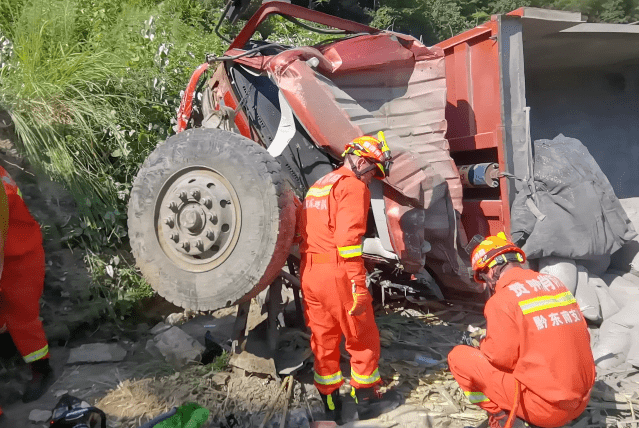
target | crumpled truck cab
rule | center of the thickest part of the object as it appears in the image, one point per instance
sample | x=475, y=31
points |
x=459, y=118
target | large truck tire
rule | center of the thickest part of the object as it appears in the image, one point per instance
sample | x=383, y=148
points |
x=211, y=220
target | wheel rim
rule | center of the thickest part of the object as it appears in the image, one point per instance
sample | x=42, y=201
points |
x=197, y=218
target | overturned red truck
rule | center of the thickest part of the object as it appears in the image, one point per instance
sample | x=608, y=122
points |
x=212, y=210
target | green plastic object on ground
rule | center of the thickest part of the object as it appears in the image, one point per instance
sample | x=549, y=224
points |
x=189, y=415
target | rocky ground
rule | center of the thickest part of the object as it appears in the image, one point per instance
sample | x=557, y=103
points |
x=138, y=370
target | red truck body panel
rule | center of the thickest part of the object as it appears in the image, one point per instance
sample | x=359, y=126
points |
x=475, y=121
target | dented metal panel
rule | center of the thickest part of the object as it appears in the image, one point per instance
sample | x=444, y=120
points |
x=385, y=82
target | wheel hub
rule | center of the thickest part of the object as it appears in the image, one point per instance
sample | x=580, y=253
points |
x=198, y=218
x=193, y=219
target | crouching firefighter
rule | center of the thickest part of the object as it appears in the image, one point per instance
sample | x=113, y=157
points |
x=21, y=286
x=336, y=299
x=535, y=365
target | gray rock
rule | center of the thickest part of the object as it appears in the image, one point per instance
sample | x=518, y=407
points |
x=97, y=353
x=177, y=347
x=152, y=349
x=36, y=415
x=159, y=328
x=221, y=328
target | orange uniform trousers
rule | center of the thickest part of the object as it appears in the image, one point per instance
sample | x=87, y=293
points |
x=474, y=372
x=21, y=287
x=327, y=300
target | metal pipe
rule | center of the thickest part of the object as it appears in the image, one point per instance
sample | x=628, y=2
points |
x=480, y=175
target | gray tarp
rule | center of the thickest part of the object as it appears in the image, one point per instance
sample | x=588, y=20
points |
x=579, y=216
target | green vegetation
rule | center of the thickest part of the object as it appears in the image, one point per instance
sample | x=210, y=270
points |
x=93, y=87
x=436, y=20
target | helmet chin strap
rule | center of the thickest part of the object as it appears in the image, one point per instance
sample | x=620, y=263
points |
x=357, y=172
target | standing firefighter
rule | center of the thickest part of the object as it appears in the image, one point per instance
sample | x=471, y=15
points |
x=535, y=364
x=337, y=301
x=20, y=290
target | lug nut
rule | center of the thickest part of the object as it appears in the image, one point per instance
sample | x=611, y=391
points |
x=175, y=237
x=213, y=218
x=196, y=194
x=186, y=246
x=183, y=195
x=207, y=202
x=199, y=245
x=173, y=206
x=169, y=222
x=210, y=235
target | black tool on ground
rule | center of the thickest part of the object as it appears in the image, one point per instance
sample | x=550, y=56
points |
x=231, y=422
x=466, y=339
x=211, y=349
x=72, y=412
x=164, y=416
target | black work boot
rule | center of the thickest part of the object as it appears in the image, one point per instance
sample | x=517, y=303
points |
x=333, y=406
x=41, y=379
x=371, y=403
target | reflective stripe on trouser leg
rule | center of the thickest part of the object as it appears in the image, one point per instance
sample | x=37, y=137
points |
x=466, y=365
x=37, y=355
x=476, y=397
x=328, y=380
x=365, y=381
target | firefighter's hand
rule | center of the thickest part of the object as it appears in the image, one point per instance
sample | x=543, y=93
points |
x=361, y=299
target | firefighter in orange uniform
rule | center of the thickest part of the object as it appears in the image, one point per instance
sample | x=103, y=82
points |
x=535, y=365
x=337, y=301
x=21, y=286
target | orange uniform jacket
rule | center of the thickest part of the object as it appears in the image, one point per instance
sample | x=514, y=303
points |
x=338, y=219
x=535, y=331
x=24, y=233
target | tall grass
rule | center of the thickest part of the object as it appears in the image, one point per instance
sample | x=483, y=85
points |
x=92, y=87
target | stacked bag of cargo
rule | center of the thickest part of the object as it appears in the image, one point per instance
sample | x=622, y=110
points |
x=619, y=334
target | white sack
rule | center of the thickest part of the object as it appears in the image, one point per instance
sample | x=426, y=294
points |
x=628, y=255
x=586, y=296
x=614, y=342
x=623, y=287
x=633, y=352
x=564, y=269
x=607, y=304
